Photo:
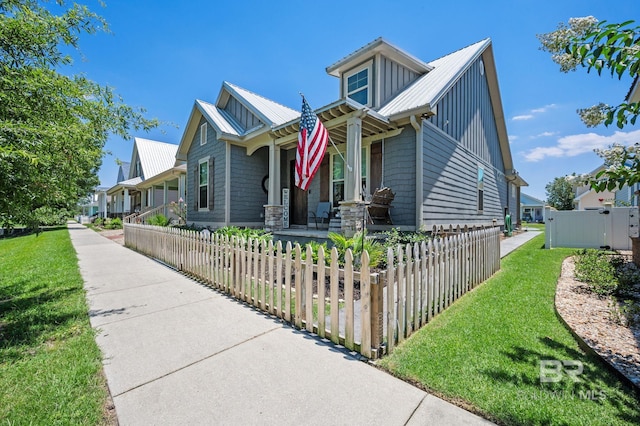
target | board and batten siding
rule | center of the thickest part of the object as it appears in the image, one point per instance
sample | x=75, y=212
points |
x=465, y=113
x=242, y=115
x=450, y=183
x=399, y=174
x=393, y=79
x=216, y=149
x=247, y=197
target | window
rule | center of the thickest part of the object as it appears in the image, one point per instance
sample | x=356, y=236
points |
x=480, y=189
x=203, y=184
x=337, y=176
x=203, y=134
x=357, y=85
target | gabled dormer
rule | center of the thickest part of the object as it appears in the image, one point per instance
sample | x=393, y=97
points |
x=375, y=73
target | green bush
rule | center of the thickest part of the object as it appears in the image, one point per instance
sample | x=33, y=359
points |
x=599, y=269
x=357, y=244
x=158, y=220
x=99, y=221
x=246, y=233
x=112, y=223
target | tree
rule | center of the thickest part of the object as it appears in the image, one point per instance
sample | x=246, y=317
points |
x=560, y=194
x=53, y=127
x=600, y=46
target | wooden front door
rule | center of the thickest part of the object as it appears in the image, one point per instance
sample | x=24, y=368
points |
x=298, y=199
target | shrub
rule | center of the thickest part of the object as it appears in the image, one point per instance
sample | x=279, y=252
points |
x=598, y=269
x=357, y=244
x=99, y=221
x=246, y=233
x=158, y=220
x=113, y=223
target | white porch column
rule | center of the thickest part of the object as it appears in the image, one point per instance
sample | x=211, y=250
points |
x=181, y=188
x=152, y=197
x=274, y=175
x=165, y=196
x=353, y=168
x=126, y=207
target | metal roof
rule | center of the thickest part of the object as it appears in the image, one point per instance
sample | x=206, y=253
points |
x=274, y=113
x=223, y=121
x=383, y=46
x=429, y=88
x=155, y=157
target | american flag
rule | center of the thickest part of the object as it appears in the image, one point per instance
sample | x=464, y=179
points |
x=312, y=144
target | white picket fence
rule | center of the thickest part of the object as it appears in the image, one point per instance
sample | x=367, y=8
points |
x=421, y=280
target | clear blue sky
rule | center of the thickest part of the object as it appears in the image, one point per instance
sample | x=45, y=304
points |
x=163, y=55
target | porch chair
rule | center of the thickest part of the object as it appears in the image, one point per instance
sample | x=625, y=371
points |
x=378, y=208
x=323, y=212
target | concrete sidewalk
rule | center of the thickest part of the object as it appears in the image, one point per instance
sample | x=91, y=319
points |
x=510, y=244
x=176, y=352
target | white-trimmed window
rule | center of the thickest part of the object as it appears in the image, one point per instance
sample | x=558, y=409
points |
x=203, y=184
x=338, y=173
x=480, y=189
x=357, y=84
x=203, y=133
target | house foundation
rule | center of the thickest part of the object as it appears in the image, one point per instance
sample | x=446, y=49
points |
x=273, y=218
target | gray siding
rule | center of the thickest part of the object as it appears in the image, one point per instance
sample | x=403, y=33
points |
x=465, y=114
x=243, y=116
x=217, y=150
x=450, y=183
x=393, y=78
x=247, y=197
x=399, y=174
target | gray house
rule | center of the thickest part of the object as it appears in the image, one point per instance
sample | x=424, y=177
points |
x=432, y=132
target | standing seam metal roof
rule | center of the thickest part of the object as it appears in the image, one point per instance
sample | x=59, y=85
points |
x=428, y=89
x=155, y=157
x=274, y=112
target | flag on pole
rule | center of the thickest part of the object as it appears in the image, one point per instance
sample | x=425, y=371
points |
x=312, y=144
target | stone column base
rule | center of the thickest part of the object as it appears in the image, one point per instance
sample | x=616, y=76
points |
x=352, y=217
x=273, y=218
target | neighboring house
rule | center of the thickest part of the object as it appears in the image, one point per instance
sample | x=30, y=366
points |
x=587, y=198
x=152, y=179
x=95, y=204
x=532, y=209
x=432, y=132
x=628, y=196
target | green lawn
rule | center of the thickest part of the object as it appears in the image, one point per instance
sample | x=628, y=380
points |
x=484, y=352
x=50, y=368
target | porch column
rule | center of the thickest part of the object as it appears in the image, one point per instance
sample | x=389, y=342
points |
x=274, y=175
x=353, y=168
x=126, y=207
x=165, y=195
x=152, y=196
x=181, y=188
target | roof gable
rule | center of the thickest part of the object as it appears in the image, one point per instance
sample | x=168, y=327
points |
x=528, y=200
x=269, y=112
x=155, y=157
x=369, y=50
x=123, y=171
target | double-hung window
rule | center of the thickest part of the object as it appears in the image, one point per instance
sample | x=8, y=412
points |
x=203, y=184
x=338, y=172
x=358, y=85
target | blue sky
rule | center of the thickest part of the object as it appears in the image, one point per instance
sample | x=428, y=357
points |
x=162, y=55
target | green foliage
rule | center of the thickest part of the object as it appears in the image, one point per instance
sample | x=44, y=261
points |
x=109, y=223
x=315, y=246
x=357, y=244
x=600, y=46
x=560, y=194
x=245, y=233
x=99, y=221
x=607, y=273
x=158, y=220
x=53, y=126
x=395, y=237
x=48, y=216
x=50, y=365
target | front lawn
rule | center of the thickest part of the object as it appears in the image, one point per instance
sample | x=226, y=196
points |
x=485, y=353
x=50, y=365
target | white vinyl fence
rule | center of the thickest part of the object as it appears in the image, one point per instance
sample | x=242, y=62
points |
x=608, y=228
x=346, y=304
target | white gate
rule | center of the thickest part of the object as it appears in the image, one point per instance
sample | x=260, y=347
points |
x=604, y=228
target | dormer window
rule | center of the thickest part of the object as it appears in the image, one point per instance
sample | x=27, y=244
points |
x=358, y=84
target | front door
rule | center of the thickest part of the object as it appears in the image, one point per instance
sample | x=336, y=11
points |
x=298, y=199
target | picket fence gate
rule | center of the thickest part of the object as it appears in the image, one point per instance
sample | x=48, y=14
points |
x=420, y=280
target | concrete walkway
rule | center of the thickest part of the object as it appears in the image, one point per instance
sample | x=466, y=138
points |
x=510, y=244
x=176, y=352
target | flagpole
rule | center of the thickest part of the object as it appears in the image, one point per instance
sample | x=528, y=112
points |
x=333, y=143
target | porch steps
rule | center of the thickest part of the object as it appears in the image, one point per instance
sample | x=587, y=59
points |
x=335, y=225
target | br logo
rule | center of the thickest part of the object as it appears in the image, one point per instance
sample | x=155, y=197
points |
x=552, y=371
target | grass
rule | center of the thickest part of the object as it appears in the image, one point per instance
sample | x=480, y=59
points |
x=50, y=365
x=484, y=352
